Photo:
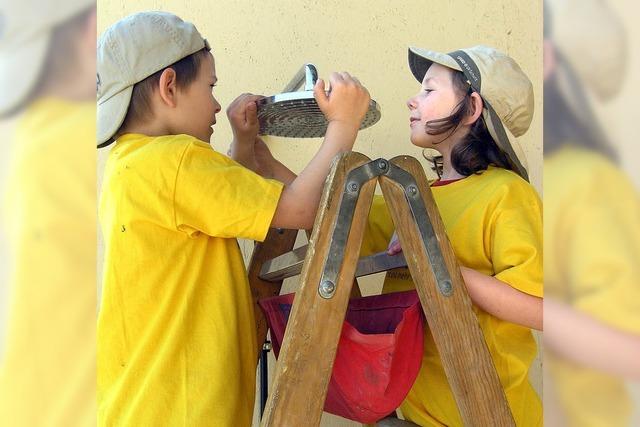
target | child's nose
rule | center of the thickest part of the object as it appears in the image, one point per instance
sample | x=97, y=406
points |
x=411, y=103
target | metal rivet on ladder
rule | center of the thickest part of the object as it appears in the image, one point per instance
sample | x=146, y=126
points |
x=353, y=187
x=327, y=289
x=412, y=191
x=446, y=288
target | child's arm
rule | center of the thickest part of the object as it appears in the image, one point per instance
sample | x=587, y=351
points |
x=268, y=166
x=248, y=149
x=503, y=301
x=344, y=109
x=495, y=296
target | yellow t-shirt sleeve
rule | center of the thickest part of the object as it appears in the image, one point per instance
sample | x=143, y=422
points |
x=221, y=198
x=516, y=240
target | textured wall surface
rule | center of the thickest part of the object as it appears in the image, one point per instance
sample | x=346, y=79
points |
x=258, y=47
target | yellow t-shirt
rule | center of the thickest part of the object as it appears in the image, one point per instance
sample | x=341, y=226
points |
x=494, y=223
x=176, y=329
x=47, y=367
x=592, y=248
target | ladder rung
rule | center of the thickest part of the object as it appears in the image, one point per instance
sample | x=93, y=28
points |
x=290, y=264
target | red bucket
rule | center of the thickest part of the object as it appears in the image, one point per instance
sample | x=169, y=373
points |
x=379, y=352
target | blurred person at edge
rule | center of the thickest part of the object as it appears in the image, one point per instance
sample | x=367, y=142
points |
x=48, y=86
x=591, y=225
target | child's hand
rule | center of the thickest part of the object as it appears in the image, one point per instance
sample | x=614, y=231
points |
x=347, y=102
x=394, y=245
x=243, y=116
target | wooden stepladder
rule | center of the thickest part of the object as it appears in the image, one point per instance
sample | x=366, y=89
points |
x=315, y=323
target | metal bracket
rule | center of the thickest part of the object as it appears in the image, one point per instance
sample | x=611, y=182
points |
x=350, y=194
x=427, y=233
x=307, y=75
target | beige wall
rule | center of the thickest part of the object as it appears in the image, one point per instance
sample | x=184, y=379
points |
x=258, y=47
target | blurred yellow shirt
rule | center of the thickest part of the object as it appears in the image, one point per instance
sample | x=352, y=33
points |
x=592, y=253
x=494, y=223
x=176, y=329
x=47, y=369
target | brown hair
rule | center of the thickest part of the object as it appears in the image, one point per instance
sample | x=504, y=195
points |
x=140, y=105
x=477, y=150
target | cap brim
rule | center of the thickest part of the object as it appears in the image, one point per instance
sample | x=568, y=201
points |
x=421, y=59
x=20, y=68
x=111, y=114
x=513, y=150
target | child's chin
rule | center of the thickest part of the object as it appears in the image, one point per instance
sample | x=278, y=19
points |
x=419, y=143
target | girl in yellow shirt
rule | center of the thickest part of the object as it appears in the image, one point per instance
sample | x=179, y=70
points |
x=471, y=106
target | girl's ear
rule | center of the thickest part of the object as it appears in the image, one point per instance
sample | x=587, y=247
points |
x=168, y=87
x=476, y=109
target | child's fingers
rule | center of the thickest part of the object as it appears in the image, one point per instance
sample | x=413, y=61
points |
x=336, y=82
x=251, y=114
x=394, y=248
x=243, y=111
x=242, y=100
x=335, y=79
x=252, y=98
x=320, y=95
x=394, y=245
x=345, y=76
x=234, y=110
x=250, y=109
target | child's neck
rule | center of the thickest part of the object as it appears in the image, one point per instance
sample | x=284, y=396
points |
x=151, y=128
x=448, y=171
x=450, y=174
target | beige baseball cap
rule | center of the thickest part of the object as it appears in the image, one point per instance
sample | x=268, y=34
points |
x=26, y=27
x=131, y=50
x=506, y=91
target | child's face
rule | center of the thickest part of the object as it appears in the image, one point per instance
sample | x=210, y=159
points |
x=437, y=99
x=198, y=107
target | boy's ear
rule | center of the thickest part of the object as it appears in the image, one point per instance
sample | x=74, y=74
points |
x=476, y=108
x=168, y=87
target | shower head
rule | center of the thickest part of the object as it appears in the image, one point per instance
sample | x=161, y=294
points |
x=295, y=114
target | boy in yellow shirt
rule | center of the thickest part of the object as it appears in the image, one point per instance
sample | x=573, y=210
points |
x=176, y=331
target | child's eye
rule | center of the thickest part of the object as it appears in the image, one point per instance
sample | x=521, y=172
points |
x=428, y=90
